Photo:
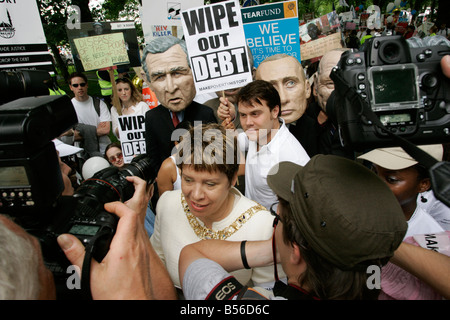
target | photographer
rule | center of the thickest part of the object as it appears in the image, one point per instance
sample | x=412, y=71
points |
x=137, y=271
x=325, y=236
x=130, y=270
x=23, y=274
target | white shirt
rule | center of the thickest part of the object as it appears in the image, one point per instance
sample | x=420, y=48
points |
x=177, y=183
x=87, y=114
x=422, y=223
x=282, y=147
x=444, y=32
x=437, y=209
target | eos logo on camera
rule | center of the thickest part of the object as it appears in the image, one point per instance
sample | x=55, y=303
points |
x=225, y=291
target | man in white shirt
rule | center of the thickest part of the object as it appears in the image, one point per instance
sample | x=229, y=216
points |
x=266, y=139
x=443, y=30
x=93, y=125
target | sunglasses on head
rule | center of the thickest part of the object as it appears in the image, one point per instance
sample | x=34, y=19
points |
x=75, y=85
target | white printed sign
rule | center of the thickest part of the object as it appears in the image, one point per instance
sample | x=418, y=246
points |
x=132, y=136
x=216, y=44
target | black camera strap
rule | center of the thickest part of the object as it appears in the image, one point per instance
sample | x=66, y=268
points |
x=86, y=268
x=439, y=170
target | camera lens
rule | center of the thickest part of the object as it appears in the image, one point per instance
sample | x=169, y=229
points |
x=25, y=83
x=390, y=52
x=141, y=167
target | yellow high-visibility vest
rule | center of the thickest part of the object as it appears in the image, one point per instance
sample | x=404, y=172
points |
x=106, y=86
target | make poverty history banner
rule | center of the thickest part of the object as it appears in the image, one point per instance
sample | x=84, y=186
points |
x=216, y=44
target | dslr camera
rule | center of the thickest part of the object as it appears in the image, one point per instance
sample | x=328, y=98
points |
x=403, y=86
x=31, y=182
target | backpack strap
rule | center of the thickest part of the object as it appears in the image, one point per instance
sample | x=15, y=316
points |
x=97, y=105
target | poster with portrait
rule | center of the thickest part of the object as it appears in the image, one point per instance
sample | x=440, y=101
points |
x=216, y=44
x=99, y=45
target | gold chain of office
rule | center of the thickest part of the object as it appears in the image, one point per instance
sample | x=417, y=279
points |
x=205, y=233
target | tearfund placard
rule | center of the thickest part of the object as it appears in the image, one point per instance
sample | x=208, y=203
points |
x=102, y=51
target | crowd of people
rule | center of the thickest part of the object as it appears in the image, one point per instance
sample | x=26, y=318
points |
x=407, y=28
x=254, y=190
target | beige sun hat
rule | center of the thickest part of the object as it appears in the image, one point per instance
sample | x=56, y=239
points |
x=396, y=158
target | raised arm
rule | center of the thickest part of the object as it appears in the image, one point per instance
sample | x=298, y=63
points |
x=431, y=267
x=227, y=254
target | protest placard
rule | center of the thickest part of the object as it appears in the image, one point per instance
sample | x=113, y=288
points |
x=320, y=35
x=132, y=136
x=22, y=40
x=102, y=51
x=163, y=17
x=121, y=37
x=215, y=41
x=322, y=45
x=272, y=29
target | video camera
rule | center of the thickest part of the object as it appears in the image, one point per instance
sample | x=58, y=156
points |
x=31, y=182
x=403, y=86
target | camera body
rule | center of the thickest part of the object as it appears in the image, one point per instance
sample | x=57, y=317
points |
x=30, y=176
x=403, y=86
x=31, y=182
x=89, y=219
x=83, y=214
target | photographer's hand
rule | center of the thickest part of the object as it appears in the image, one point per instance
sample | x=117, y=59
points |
x=131, y=269
x=445, y=65
x=142, y=195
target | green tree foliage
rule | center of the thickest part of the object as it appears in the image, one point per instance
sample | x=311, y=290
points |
x=55, y=13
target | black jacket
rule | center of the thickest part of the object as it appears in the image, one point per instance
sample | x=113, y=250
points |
x=159, y=128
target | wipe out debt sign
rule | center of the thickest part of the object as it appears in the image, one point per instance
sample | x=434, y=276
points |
x=216, y=45
x=132, y=136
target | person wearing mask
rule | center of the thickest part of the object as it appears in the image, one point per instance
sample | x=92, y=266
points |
x=286, y=74
x=167, y=67
x=328, y=141
x=266, y=138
